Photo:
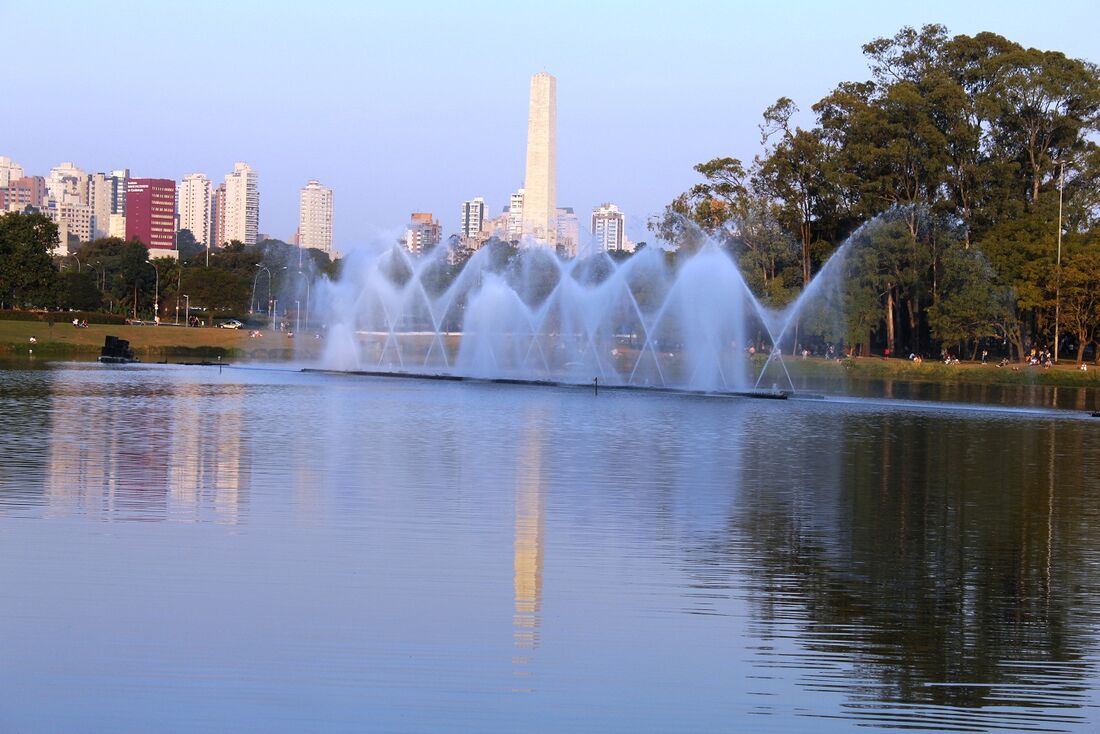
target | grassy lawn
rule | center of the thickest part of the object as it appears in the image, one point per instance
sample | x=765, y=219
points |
x=150, y=343
x=174, y=343
x=1066, y=374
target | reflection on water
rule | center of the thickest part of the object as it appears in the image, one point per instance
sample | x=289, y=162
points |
x=185, y=550
x=165, y=450
x=528, y=549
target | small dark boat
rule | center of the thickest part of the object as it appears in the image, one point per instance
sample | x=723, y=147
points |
x=116, y=351
x=1096, y=414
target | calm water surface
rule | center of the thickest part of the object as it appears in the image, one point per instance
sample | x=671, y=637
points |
x=185, y=550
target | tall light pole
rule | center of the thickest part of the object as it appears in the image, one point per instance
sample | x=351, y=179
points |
x=179, y=285
x=1058, y=276
x=74, y=257
x=262, y=268
x=300, y=274
x=156, y=295
x=98, y=268
x=187, y=302
x=298, y=317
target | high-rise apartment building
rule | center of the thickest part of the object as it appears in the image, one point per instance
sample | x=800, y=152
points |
x=242, y=205
x=568, y=232
x=67, y=184
x=423, y=233
x=9, y=171
x=539, y=184
x=217, y=214
x=515, y=216
x=151, y=213
x=73, y=219
x=194, y=207
x=608, y=228
x=101, y=200
x=23, y=192
x=315, y=217
x=473, y=218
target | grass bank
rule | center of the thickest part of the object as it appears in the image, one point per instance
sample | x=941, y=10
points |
x=150, y=343
x=873, y=368
x=178, y=344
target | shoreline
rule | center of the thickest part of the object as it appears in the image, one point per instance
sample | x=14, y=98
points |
x=160, y=343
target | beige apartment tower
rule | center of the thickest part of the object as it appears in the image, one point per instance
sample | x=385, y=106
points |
x=540, y=183
x=315, y=217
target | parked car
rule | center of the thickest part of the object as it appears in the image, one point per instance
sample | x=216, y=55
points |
x=230, y=324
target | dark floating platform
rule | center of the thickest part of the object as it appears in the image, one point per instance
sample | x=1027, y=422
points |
x=116, y=351
x=1096, y=414
x=443, y=377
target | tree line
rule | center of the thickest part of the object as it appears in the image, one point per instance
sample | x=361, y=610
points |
x=117, y=276
x=955, y=170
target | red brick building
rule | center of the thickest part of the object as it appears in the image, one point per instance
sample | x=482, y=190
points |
x=151, y=212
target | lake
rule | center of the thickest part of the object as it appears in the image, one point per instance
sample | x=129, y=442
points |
x=190, y=549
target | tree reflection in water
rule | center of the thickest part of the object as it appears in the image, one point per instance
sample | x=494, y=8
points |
x=946, y=571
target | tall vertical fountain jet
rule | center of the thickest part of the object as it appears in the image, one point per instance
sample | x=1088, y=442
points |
x=540, y=211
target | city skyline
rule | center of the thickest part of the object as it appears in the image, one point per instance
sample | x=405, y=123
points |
x=630, y=126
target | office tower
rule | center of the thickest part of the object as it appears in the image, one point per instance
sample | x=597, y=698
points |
x=242, y=205
x=539, y=185
x=151, y=213
x=9, y=171
x=608, y=228
x=473, y=218
x=423, y=233
x=194, y=207
x=568, y=232
x=315, y=217
x=119, y=180
x=515, y=216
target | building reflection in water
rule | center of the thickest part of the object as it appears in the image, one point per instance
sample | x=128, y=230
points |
x=168, y=452
x=527, y=552
x=208, y=465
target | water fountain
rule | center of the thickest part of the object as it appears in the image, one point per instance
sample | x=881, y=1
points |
x=654, y=320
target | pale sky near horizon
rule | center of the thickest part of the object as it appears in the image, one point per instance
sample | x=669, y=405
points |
x=417, y=106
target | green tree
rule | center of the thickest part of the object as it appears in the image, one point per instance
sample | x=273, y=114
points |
x=187, y=245
x=27, y=274
x=970, y=307
x=217, y=290
x=795, y=174
x=1080, y=298
x=78, y=290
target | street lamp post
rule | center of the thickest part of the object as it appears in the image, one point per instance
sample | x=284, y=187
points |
x=252, y=303
x=179, y=285
x=300, y=274
x=187, y=310
x=298, y=317
x=156, y=295
x=77, y=262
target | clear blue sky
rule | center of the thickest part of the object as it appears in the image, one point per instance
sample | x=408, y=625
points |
x=420, y=105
